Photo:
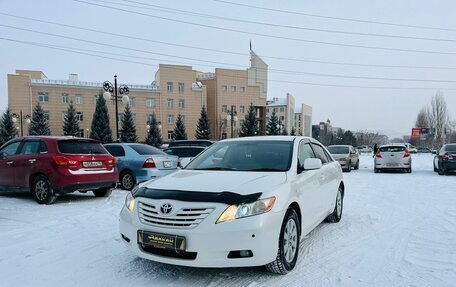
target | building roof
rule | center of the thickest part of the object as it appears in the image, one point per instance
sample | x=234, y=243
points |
x=277, y=102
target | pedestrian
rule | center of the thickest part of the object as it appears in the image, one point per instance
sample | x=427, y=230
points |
x=375, y=150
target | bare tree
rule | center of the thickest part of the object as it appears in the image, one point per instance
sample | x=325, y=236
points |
x=423, y=118
x=439, y=119
x=365, y=137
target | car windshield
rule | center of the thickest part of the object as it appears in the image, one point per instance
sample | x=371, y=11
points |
x=146, y=150
x=255, y=155
x=392, y=149
x=338, y=149
x=81, y=147
x=184, y=151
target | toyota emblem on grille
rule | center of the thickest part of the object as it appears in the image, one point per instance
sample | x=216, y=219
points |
x=166, y=208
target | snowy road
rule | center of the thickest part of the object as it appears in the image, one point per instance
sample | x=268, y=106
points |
x=398, y=229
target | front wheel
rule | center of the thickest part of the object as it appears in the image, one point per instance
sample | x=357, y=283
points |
x=336, y=215
x=349, y=167
x=102, y=192
x=287, y=255
x=42, y=190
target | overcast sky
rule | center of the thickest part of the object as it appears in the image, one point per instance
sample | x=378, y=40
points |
x=392, y=111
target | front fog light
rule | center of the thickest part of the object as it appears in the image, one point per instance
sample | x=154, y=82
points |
x=236, y=211
x=130, y=202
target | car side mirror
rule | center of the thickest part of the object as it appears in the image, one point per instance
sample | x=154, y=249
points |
x=185, y=161
x=312, y=163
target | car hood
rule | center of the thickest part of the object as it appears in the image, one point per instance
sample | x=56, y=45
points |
x=340, y=156
x=243, y=183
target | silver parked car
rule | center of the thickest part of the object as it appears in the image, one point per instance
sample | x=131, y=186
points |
x=346, y=155
x=394, y=157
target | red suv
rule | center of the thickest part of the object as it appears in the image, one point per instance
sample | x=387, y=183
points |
x=48, y=166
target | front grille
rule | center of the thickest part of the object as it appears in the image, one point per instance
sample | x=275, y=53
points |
x=184, y=218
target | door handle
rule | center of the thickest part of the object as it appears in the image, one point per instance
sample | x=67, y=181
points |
x=9, y=162
x=32, y=160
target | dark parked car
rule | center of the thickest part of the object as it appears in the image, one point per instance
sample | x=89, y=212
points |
x=49, y=166
x=445, y=160
x=204, y=143
x=140, y=162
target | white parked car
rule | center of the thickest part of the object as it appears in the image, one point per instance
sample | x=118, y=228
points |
x=393, y=157
x=241, y=202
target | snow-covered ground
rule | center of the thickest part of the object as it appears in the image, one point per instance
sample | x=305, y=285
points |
x=398, y=229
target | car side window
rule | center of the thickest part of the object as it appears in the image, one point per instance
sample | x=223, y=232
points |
x=115, y=150
x=10, y=149
x=30, y=148
x=43, y=147
x=320, y=153
x=305, y=152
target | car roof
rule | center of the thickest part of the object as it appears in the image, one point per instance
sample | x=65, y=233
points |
x=270, y=138
x=387, y=145
x=55, y=138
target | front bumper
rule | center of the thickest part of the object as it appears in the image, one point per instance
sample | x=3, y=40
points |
x=211, y=242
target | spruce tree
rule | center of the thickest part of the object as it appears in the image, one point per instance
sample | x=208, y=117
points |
x=128, y=130
x=293, y=131
x=203, y=129
x=71, y=122
x=153, y=137
x=7, y=129
x=100, y=129
x=250, y=126
x=39, y=126
x=284, y=131
x=179, y=132
x=273, y=122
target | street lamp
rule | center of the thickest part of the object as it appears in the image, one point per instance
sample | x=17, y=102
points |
x=123, y=91
x=231, y=116
x=21, y=117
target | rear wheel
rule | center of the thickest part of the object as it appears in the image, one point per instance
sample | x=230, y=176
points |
x=336, y=215
x=127, y=180
x=440, y=170
x=102, y=192
x=42, y=190
x=357, y=165
x=287, y=254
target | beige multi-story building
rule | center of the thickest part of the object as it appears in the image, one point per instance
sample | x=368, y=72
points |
x=284, y=109
x=174, y=91
x=231, y=92
x=303, y=120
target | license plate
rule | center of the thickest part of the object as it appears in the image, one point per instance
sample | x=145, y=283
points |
x=164, y=241
x=392, y=164
x=167, y=164
x=92, y=164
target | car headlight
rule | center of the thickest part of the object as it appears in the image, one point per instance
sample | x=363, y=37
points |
x=236, y=211
x=130, y=202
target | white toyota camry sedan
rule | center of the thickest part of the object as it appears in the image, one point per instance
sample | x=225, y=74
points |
x=241, y=202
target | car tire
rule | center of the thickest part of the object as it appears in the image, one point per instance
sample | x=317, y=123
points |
x=42, y=190
x=435, y=169
x=102, y=192
x=348, y=167
x=357, y=165
x=440, y=170
x=127, y=180
x=288, y=251
x=336, y=215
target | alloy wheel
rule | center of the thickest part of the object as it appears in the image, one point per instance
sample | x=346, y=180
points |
x=127, y=181
x=290, y=242
x=41, y=190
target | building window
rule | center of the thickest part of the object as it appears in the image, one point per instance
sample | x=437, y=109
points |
x=242, y=109
x=79, y=99
x=224, y=109
x=80, y=116
x=169, y=87
x=181, y=103
x=282, y=118
x=43, y=97
x=170, y=103
x=233, y=88
x=275, y=110
x=282, y=109
x=132, y=102
x=224, y=88
x=181, y=87
x=65, y=98
x=170, y=119
x=46, y=115
x=150, y=103
x=233, y=109
x=170, y=135
x=242, y=89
